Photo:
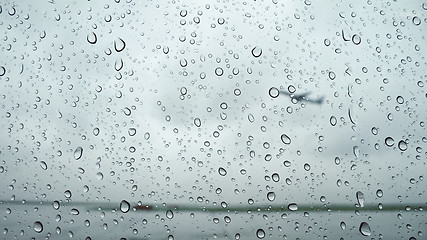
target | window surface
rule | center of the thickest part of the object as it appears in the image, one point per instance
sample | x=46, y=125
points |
x=170, y=120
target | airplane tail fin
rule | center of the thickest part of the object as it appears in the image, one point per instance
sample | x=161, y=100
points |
x=320, y=100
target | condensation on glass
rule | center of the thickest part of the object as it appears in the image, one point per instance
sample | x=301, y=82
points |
x=170, y=120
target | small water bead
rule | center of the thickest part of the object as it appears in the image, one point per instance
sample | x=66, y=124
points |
x=260, y=233
x=356, y=39
x=332, y=75
x=74, y=211
x=43, y=165
x=374, y=131
x=219, y=71
x=322, y=199
x=222, y=171
x=273, y=92
x=2, y=71
x=119, y=45
x=293, y=207
x=365, y=229
x=92, y=38
x=197, y=122
x=132, y=132
x=333, y=121
x=124, y=206
x=38, y=227
x=67, y=194
x=56, y=205
x=402, y=145
x=379, y=193
x=96, y=131
x=99, y=175
x=275, y=177
x=256, y=52
x=271, y=196
x=416, y=21
x=360, y=198
x=285, y=139
x=169, y=214
x=389, y=141
x=78, y=153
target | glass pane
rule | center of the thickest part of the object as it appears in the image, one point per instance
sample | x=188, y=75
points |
x=213, y=119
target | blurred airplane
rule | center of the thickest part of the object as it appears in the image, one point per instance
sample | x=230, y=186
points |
x=302, y=97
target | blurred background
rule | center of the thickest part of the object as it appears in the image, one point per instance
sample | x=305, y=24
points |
x=213, y=120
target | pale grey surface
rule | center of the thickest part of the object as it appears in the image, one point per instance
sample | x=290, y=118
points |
x=57, y=89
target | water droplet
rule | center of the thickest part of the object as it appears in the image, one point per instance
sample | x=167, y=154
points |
x=183, y=62
x=38, y=227
x=274, y=92
x=169, y=214
x=260, y=233
x=119, y=45
x=74, y=211
x=374, y=130
x=43, y=165
x=183, y=90
x=360, y=198
x=285, y=139
x=222, y=171
x=356, y=39
x=96, y=131
x=78, y=153
x=416, y=20
x=351, y=115
x=124, y=206
x=293, y=207
x=256, y=52
x=333, y=121
x=92, y=38
x=67, y=194
x=402, y=145
x=132, y=132
x=219, y=71
x=251, y=118
x=56, y=205
x=275, y=177
x=307, y=167
x=271, y=196
x=2, y=71
x=332, y=75
x=99, y=175
x=342, y=225
x=197, y=122
x=364, y=229
x=379, y=193
x=389, y=141
x=400, y=100
x=118, y=65
x=356, y=151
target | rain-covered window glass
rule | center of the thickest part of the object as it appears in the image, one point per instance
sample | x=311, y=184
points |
x=257, y=119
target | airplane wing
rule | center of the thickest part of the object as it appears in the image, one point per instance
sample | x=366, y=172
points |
x=302, y=95
x=317, y=101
